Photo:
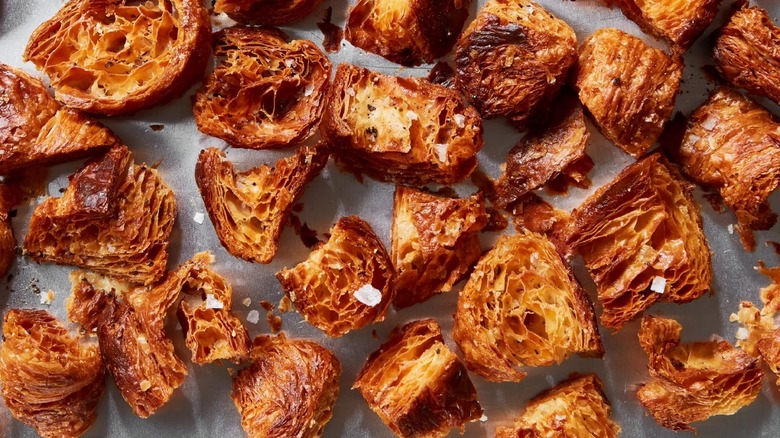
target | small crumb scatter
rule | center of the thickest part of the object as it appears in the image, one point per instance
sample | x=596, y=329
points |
x=285, y=305
x=145, y=385
x=247, y=301
x=213, y=303
x=199, y=217
x=48, y=297
x=253, y=316
x=742, y=333
x=157, y=128
x=658, y=285
x=368, y=295
x=731, y=228
x=373, y=334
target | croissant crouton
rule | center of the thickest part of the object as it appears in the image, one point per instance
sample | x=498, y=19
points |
x=693, y=382
x=746, y=52
x=522, y=306
x=576, y=407
x=51, y=380
x=642, y=241
x=402, y=130
x=731, y=145
x=270, y=12
x=249, y=209
x=346, y=283
x=113, y=57
x=416, y=385
x=408, y=32
x=35, y=130
x=289, y=390
x=628, y=87
x=434, y=242
x=265, y=91
x=114, y=218
x=513, y=58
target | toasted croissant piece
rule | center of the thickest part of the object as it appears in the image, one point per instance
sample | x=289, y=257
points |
x=289, y=390
x=576, y=407
x=408, y=32
x=7, y=240
x=35, y=130
x=731, y=145
x=265, y=92
x=113, y=57
x=434, y=242
x=642, y=241
x=513, y=58
x=403, y=130
x=114, y=218
x=693, y=382
x=416, y=385
x=271, y=12
x=249, y=209
x=628, y=87
x=346, y=283
x=746, y=52
x=51, y=380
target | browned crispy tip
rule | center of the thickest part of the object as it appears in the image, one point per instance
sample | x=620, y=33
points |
x=745, y=52
x=576, y=407
x=51, y=380
x=289, y=389
x=522, y=306
x=513, y=58
x=402, y=130
x=112, y=57
x=731, y=145
x=270, y=12
x=249, y=209
x=408, y=32
x=114, y=218
x=434, y=242
x=417, y=386
x=346, y=283
x=628, y=87
x=265, y=91
x=693, y=382
x=642, y=241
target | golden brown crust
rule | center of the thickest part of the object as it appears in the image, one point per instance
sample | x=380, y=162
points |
x=110, y=221
x=402, y=130
x=249, y=209
x=108, y=57
x=642, y=228
x=434, y=242
x=628, y=87
x=513, y=58
x=51, y=380
x=416, y=385
x=265, y=91
x=731, y=144
x=7, y=240
x=346, y=283
x=408, y=32
x=576, y=407
x=746, y=52
x=692, y=382
x=35, y=130
x=522, y=306
x=289, y=390
x=271, y=12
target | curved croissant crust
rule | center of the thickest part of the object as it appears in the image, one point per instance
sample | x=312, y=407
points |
x=513, y=58
x=35, y=130
x=51, y=380
x=642, y=241
x=266, y=91
x=408, y=32
x=346, y=283
x=114, y=218
x=628, y=87
x=271, y=12
x=574, y=408
x=435, y=242
x=416, y=385
x=692, y=382
x=746, y=52
x=7, y=239
x=249, y=209
x=114, y=57
x=289, y=390
x=523, y=306
x=403, y=130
